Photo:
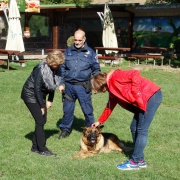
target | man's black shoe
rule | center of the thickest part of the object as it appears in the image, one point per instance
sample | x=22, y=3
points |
x=63, y=134
x=47, y=153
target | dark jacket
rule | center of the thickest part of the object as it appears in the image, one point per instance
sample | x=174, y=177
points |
x=34, y=89
x=79, y=65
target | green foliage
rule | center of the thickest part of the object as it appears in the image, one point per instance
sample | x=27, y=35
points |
x=177, y=46
x=39, y=25
x=70, y=41
x=17, y=126
x=161, y=1
x=78, y=2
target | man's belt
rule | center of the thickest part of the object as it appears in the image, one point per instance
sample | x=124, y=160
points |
x=85, y=84
x=77, y=83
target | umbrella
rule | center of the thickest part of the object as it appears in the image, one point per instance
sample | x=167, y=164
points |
x=14, y=38
x=109, y=38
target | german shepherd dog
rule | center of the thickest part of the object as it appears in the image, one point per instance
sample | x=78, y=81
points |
x=94, y=142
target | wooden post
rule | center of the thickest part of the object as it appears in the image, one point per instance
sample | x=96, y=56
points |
x=55, y=30
x=130, y=29
x=55, y=37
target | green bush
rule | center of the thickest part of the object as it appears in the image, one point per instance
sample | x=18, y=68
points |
x=70, y=41
x=177, y=46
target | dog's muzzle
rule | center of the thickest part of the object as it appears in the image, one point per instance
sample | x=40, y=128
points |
x=92, y=138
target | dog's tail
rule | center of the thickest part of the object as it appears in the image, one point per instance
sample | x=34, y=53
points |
x=124, y=148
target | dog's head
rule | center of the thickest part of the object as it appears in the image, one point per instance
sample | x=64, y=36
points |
x=92, y=135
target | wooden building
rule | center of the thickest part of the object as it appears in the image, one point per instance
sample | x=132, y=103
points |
x=150, y=24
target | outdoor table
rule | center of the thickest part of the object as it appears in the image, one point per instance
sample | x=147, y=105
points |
x=9, y=53
x=152, y=49
x=121, y=49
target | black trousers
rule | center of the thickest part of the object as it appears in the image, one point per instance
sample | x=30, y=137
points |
x=39, y=139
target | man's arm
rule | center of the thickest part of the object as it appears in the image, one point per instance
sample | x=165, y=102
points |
x=95, y=64
x=62, y=71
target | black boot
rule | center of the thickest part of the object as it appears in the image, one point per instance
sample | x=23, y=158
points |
x=64, y=134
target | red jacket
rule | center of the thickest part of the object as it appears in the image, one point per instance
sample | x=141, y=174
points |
x=128, y=89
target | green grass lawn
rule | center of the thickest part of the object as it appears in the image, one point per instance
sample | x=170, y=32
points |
x=162, y=152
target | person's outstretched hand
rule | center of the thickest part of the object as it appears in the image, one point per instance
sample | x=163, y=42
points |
x=94, y=125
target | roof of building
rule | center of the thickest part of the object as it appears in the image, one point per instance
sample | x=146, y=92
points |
x=134, y=6
x=141, y=2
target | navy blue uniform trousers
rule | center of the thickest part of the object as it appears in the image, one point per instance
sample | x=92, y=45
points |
x=76, y=92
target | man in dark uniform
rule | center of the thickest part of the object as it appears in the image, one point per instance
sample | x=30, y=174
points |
x=80, y=65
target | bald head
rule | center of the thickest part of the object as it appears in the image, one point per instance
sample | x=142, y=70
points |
x=79, y=32
x=79, y=39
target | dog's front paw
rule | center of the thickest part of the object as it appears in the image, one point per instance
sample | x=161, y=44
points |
x=75, y=157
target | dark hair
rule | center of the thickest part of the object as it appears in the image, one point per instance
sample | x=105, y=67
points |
x=98, y=82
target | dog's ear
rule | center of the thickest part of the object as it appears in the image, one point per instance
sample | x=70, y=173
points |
x=100, y=127
x=84, y=128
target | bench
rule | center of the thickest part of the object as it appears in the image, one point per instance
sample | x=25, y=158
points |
x=107, y=58
x=112, y=60
x=154, y=56
x=21, y=62
x=9, y=53
x=129, y=58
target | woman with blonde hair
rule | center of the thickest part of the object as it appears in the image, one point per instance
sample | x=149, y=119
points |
x=42, y=82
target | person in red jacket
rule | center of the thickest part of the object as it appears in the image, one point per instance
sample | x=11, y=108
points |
x=136, y=94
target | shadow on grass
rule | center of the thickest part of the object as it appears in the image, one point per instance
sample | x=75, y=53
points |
x=130, y=145
x=77, y=124
x=48, y=133
x=4, y=67
x=175, y=62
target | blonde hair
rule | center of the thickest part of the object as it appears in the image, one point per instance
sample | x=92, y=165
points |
x=56, y=57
